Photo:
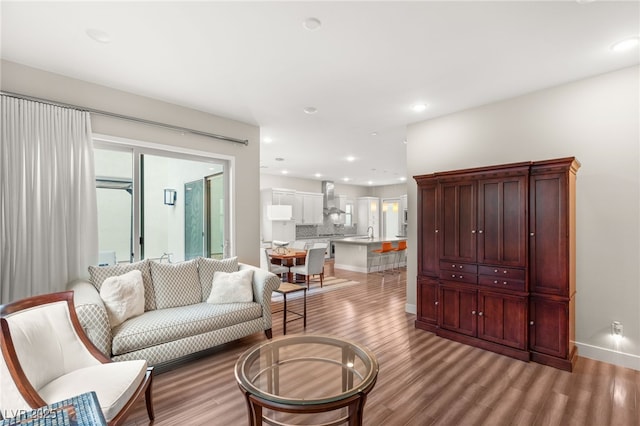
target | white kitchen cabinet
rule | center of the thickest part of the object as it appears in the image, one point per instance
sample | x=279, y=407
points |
x=368, y=215
x=311, y=204
x=276, y=229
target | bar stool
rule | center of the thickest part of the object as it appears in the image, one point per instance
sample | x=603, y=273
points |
x=383, y=254
x=400, y=254
x=284, y=289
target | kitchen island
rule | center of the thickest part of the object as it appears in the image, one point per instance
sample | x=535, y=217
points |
x=356, y=253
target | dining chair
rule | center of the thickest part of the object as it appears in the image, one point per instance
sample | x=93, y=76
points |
x=313, y=265
x=265, y=263
x=47, y=357
x=299, y=245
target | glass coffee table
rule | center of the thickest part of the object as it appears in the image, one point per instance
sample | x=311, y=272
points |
x=291, y=378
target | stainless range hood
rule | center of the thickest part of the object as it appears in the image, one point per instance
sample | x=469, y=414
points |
x=329, y=201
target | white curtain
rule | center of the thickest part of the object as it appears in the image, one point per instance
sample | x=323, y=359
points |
x=48, y=212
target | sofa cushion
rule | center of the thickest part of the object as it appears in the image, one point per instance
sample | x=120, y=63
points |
x=207, y=267
x=100, y=273
x=114, y=384
x=165, y=325
x=176, y=284
x=123, y=297
x=232, y=287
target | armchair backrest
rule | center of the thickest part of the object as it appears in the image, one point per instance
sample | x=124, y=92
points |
x=40, y=341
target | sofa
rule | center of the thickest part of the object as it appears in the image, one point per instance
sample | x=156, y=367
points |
x=178, y=314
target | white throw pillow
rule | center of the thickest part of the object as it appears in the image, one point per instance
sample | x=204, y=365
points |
x=232, y=287
x=123, y=296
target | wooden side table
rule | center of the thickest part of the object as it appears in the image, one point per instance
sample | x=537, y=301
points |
x=287, y=288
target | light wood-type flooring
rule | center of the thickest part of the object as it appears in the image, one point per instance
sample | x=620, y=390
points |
x=423, y=379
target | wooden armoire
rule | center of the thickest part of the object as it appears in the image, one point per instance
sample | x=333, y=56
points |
x=496, y=258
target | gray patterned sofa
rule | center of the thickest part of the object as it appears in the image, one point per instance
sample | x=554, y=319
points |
x=177, y=320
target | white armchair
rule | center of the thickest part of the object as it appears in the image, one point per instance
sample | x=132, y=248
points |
x=46, y=358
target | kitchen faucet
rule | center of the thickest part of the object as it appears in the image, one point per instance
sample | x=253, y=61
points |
x=370, y=228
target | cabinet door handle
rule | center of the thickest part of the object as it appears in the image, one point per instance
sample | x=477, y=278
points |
x=460, y=266
x=479, y=314
x=453, y=266
x=480, y=231
x=460, y=276
x=504, y=272
x=453, y=275
x=532, y=234
x=473, y=231
x=530, y=322
x=473, y=312
x=436, y=231
x=495, y=281
x=436, y=302
x=504, y=282
x=495, y=270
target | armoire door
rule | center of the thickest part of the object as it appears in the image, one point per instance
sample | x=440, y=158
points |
x=502, y=319
x=549, y=326
x=458, y=309
x=428, y=300
x=427, y=229
x=502, y=223
x=458, y=221
x=548, y=234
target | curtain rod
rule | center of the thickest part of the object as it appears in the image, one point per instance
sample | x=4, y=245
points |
x=126, y=117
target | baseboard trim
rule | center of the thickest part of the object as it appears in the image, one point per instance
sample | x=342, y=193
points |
x=610, y=356
x=410, y=308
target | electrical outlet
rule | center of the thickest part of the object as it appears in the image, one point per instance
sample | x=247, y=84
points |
x=616, y=329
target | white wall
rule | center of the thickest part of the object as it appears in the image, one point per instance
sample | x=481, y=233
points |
x=597, y=120
x=30, y=81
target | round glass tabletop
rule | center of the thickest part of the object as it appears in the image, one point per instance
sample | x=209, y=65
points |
x=306, y=369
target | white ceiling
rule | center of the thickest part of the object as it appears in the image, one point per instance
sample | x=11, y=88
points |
x=363, y=69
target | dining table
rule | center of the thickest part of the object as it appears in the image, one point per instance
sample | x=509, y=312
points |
x=288, y=257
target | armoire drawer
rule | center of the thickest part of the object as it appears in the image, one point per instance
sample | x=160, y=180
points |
x=501, y=282
x=462, y=277
x=467, y=268
x=499, y=271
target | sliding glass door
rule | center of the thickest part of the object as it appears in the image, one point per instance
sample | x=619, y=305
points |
x=176, y=206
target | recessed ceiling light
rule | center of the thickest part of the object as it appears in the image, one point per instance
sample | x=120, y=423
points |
x=98, y=35
x=374, y=133
x=419, y=107
x=585, y=1
x=625, y=44
x=346, y=179
x=403, y=178
x=370, y=182
x=284, y=172
x=351, y=158
x=279, y=159
x=267, y=140
x=311, y=24
x=310, y=110
x=318, y=175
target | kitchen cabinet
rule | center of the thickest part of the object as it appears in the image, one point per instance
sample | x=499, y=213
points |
x=368, y=213
x=496, y=258
x=276, y=229
x=309, y=208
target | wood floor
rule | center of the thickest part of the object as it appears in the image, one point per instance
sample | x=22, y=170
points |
x=423, y=379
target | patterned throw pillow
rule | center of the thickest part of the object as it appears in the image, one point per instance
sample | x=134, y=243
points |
x=123, y=297
x=207, y=267
x=100, y=273
x=176, y=284
x=232, y=287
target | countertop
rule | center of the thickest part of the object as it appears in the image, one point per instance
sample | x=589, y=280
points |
x=367, y=240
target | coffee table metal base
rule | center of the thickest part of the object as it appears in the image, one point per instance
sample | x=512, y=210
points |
x=354, y=404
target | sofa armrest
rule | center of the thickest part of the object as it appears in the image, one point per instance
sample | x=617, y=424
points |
x=92, y=314
x=264, y=283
